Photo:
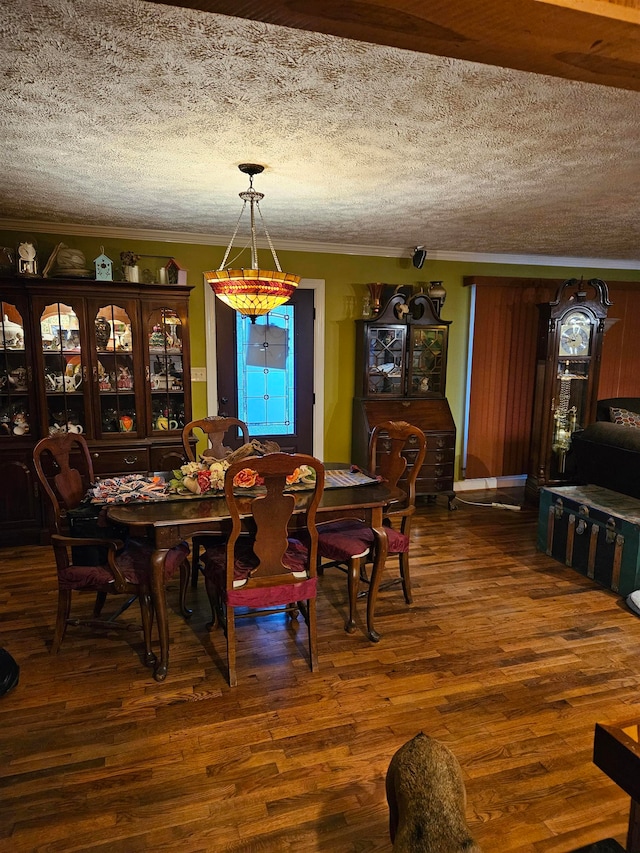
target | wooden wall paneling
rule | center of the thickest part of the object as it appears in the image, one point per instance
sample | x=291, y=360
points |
x=619, y=371
x=488, y=383
x=502, y=373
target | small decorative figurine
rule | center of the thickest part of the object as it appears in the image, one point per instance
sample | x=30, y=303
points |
x=103, y=332
x=157, y=338
x=104, y=267
x=20, y=423
x=124, y=381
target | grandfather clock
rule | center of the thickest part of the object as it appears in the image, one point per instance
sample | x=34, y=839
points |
x=570, y=335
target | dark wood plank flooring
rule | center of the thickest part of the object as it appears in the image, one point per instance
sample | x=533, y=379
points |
x=507, y=656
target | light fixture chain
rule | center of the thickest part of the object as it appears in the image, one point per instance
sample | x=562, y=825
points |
x=266, y=233
x=233, y=237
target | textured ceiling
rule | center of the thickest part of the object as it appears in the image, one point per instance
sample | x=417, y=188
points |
x=135, y=115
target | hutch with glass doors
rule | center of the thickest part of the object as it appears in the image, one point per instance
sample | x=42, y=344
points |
x=108, y=360
x=401, y=369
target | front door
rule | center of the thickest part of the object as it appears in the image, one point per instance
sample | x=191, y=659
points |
x=265, y=371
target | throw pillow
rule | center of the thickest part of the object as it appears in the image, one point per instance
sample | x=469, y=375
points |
x=624, y=416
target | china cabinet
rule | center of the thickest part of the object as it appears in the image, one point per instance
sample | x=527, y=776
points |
x=108, y=360
x=570, y=336
x=401, y=368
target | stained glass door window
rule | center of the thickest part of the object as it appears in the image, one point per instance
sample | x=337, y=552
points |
x=266, y=372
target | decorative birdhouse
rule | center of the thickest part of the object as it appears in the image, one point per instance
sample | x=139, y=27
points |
x=176, y=274
x=104, y=267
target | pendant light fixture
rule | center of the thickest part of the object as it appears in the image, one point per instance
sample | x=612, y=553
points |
x=252, y=292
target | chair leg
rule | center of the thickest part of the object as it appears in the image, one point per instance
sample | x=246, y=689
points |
x=212, y=595
x=64, y=609
x=353, y=579
x=146, y=612
x=406, y=577
x=313, y=634
x=380, y=557
x=185, y=572
x=231, y=646
x=101, y=597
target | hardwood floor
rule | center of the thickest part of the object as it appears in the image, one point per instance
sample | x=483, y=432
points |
x=507, y=656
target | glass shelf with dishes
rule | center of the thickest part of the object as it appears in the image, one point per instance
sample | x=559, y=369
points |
x=114, y=371
x=385, y=368
x=14, y=373
x=427, y=361
x=166, y=370
x=63, y=369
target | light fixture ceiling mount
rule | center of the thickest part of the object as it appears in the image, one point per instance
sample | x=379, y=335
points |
x=252, y=292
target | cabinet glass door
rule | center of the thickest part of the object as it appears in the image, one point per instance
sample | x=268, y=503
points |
x=385, y=364
x=114, y=370
x=15, y=416
x=64, y=369
x=426, y=362
x=166, y=374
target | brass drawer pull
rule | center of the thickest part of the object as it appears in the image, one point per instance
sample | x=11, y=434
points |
x=130, y=460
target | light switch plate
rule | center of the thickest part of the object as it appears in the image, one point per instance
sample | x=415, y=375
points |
x=198, y=374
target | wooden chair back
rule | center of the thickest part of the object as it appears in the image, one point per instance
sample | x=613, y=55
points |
x=215, y=429
x=396, y=452
x=64, y=480
x=272, y=510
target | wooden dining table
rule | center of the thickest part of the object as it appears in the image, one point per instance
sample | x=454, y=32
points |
x=173, y=520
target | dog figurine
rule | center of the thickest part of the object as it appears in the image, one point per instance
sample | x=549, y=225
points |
x=427, y=800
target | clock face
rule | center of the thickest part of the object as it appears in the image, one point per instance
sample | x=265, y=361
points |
x=575, y=334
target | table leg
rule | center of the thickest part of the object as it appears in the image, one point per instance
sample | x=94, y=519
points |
x=160, y=604
x=381, y=551
x=633, y=835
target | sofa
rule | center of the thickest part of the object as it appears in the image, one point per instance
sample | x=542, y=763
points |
x=607, y=453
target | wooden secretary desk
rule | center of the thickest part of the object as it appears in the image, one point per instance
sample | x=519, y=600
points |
x=401, y=368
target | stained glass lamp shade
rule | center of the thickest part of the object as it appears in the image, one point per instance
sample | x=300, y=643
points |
x=252, y=292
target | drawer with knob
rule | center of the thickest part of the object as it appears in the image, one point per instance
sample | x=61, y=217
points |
x=120, y=461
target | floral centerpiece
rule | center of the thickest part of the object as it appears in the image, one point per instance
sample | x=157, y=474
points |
x=199, y=478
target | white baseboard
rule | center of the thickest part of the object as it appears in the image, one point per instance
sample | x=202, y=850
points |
x=511, y=482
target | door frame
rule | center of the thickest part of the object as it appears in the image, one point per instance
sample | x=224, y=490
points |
x=318, y=286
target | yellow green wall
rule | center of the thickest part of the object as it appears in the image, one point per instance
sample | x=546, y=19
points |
x=345, y=278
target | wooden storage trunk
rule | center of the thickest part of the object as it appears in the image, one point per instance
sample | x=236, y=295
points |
x=594, y=531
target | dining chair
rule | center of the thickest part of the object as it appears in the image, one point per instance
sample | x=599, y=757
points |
x=396, y=453
x=101, y=563
x=262, y=568
x=215, y=429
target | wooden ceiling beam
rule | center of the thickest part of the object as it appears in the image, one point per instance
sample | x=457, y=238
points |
x=594, y=41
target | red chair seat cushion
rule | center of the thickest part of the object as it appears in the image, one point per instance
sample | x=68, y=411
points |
x=347, y=538
x=245, y=562
x=96, y=578
x=133, y=561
